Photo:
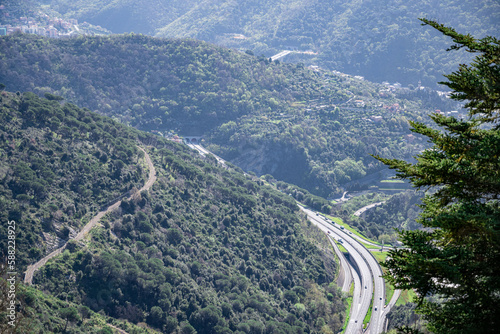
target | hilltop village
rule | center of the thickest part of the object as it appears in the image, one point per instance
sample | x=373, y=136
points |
x=43, y=24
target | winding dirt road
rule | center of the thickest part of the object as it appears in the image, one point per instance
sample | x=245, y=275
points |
x=28, y=278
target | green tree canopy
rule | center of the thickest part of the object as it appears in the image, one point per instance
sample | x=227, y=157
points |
x=70, y=314
x=452, y=263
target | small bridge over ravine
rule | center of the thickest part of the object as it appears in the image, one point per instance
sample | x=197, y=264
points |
x=192, y=139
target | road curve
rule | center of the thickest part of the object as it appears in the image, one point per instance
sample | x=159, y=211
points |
x=28, y=277
x=363, y=283
x=119, y=330
x=363, y=209
x=369, y=284
x=387, y=309
x=344, y=266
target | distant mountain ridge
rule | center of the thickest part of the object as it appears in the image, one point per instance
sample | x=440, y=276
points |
x=381, y=40
x=305, y=126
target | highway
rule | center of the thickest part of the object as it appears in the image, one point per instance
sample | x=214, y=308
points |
x=203, y=151
x=368, y=281
x=280, y=55
x=287, y=52
x=364, y=281
x=370, y=272
x=347, y=274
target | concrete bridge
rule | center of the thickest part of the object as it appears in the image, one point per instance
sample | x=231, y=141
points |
x=192, y=139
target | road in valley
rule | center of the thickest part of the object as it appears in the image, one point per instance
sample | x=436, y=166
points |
x=361, y=256
x=347, y=273
x=363, y=284
x=203, y=151
x=368, y=281
x=363, y=209
x=28, y=277
x=281, y=55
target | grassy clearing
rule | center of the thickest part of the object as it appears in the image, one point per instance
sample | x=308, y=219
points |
x=406, y=297
x=339, y=221
x=380, y=256
x=341, y=247
x=349, y=305
x=389, y=288
x=389, y=292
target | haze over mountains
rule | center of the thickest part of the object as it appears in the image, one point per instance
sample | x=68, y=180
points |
x=211, y=248
x=311, y=128
x=381, y=40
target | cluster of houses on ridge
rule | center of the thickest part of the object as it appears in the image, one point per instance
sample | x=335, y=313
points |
x=44, y=26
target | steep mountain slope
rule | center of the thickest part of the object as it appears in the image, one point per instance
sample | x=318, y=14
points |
x=206, y=248
x=308, y=127
x=41, y=312
x=64, y=161
x=193, y=87
x=153, y=83
x=381, y=40
x=140, y=16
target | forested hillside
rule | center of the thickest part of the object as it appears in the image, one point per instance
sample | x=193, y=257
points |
x=205, y=249
x=398, y=211
x=62, y=161
x=153, y=83
x=41, y=312
x=379, y=39
x=309, y=127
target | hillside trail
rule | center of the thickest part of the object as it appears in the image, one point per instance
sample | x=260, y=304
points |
x=28, y=278
x=119, y=330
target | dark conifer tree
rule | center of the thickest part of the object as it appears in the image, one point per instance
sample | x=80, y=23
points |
x=453, y=262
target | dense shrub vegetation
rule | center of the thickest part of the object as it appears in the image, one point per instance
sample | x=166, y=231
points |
x=152, y=83
x=379, y=39
x=59, y=165
x=312, y=128
x=40, y=312
x=398, y=211
x=207, y=248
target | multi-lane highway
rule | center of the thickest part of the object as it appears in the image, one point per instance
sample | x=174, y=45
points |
x=368, y=281
x=363, y=294
x=372, y=283
x=346, y=276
